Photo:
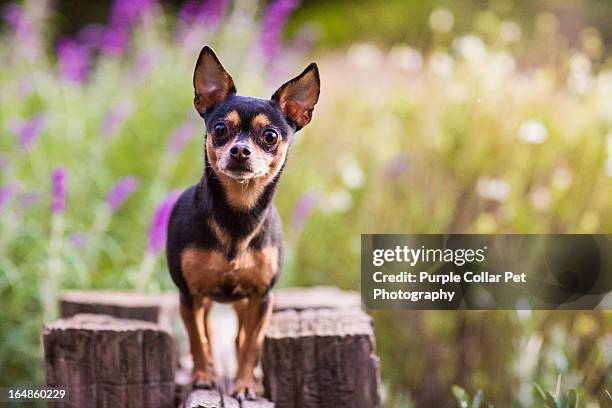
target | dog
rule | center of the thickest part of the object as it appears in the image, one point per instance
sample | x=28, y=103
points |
x=224, y=234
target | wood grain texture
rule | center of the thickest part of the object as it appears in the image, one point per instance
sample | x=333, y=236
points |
x=316, y=297
x=321, y=358
x=107, y=362
x=161, y=308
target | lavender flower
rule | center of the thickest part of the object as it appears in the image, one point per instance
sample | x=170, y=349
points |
x=210, y=12
x=73, y=60
x=24, y=31
x=302, y=209
x=181, y=135
x=123, y=16
x=91, y=36
x=115, y=118
x=158, y=230
x=6, y=193
x=58, y=193
x=274, y=21
x=144, y=64
x=121, y=191
x=29, y=131
x=78, y=239
x=397, y=165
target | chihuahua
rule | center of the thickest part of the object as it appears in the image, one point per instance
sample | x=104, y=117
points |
x=224, y=234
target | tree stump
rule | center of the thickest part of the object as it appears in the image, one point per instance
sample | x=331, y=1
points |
x=103, y=361
x=217, y=399
x=316, y=297
x=321, y=358
x=159, y=308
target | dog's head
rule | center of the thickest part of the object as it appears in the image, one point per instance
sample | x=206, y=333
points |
x=247, y=138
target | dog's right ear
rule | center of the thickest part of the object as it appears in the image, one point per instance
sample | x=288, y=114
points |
x=211, y=82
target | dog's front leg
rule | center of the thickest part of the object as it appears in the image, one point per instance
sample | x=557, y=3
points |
x=193, y=314
x=255, y=318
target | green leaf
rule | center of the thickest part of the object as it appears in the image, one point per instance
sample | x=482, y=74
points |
x=460, y=396
x=572, y=398
x=538, y=392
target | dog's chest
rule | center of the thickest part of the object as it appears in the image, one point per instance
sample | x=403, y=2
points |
x=209, y=273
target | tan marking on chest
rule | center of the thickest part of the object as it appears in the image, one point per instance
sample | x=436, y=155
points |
x=210, y=273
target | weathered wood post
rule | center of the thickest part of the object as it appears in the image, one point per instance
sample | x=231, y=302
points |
x=318, y=355
x=161, y=308
x=103, y=361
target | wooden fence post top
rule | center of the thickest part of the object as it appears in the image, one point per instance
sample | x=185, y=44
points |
x=96, y=322
x=316, y=297
x=322, y=322
x=120, y=298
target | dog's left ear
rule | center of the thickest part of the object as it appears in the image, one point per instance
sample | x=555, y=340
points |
x=211, y=82
x=298, y=97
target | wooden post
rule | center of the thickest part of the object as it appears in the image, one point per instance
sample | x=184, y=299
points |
x=321, y=358
x=316, y=297
x=103, y=361
x=159, y=308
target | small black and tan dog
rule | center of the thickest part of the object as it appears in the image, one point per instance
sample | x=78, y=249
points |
x=224, y=235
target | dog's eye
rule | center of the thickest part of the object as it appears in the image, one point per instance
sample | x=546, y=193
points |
x=270, y=137
x=220, y=129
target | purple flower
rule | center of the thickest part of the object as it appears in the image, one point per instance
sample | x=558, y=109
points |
x=273, y=22
x=91, y=35
x=58, y=192
x=29, y=131
x=73, y=60
x=115, y=118
x=397, y=165
x=181, y=135
x=121, y=191
x=158, y=230
x=6, y=193
x=78, y=239
x=25, y=33
x=124, y=14
x=302, y=209
x=210, y=13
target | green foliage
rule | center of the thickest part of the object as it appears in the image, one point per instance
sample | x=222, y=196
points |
x=473, y=135
x=544, y=399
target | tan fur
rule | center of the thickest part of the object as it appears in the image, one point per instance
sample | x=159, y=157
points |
x=232, y=118
x=243, y=196
x=260, y=120
x=199, y=335
x=207, y=271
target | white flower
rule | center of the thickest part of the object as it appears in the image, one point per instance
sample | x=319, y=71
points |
x=533, y=132
x=364, y=55
x=502, y=64
x=441, y=64
x=562, y=178
x=493, y=189
x=510, y=31
x=350, y=172
x=337, y=201
x=540, y=198
x=441, y=20
x=406, y=58
x=470, y=47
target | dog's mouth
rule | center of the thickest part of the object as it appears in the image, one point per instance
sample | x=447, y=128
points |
x=241, y=172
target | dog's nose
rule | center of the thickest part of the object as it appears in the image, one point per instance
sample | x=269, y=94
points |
x=240, y=151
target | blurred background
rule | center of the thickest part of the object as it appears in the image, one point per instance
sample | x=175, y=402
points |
x=435, y=116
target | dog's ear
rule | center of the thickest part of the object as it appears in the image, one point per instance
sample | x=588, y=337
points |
x=298, y=97
x=211, y=82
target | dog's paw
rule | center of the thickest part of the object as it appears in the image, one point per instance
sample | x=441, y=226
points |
x=204, y=379
x=244, y=390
